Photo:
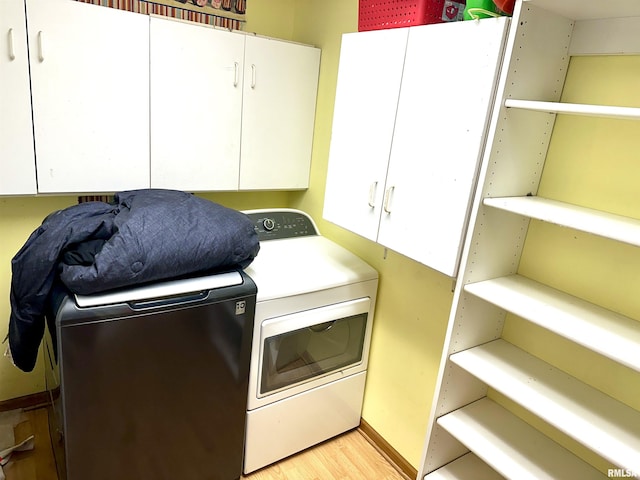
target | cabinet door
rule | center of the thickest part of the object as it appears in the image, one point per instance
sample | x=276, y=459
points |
x=90, y=90
x=16, y=138
x=278, y=113
x=196, y=103
x=369, y=76
x=445, y=103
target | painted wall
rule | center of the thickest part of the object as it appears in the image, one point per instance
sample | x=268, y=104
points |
x=271, y=18
x=413, y=301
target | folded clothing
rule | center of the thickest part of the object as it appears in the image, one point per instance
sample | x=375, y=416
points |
x=145, y=236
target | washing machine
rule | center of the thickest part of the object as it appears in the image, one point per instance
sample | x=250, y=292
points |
x=149, y=382
x=312, y=331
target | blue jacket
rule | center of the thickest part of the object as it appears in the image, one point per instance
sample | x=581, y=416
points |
x=145, y=236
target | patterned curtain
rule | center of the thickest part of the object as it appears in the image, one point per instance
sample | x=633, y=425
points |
x=201, y=11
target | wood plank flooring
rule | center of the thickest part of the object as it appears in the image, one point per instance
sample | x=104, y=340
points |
x=347, y=457
x=36, y=464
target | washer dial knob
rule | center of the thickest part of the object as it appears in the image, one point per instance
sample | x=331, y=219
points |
x=268, y=224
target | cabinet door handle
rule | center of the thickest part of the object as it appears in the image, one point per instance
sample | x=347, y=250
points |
x=387, y=199
x=253, y=75
x=12, y=53
x=41, y=46
x=372, y=193
x=235, y=74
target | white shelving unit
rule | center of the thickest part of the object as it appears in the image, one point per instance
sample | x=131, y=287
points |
x=511, y=446
x=607, y=111
x=616, y=227
x=589, y=416
x=467, y=466
x=470, y=435
x=608, y=333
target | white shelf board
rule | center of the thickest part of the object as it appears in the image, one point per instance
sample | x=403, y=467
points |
x=610, y=334
x=466, y=467
x=597, y=421
x=512, y=447
x=608, y=225
x=607, y=111
x=611, y=36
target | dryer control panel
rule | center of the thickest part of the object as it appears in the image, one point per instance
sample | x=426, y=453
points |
x=276, y=224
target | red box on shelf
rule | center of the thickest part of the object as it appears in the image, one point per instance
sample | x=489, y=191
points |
x=382, y=14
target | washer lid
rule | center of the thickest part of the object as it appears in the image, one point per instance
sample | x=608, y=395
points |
x=295, y=266
x=161, y=289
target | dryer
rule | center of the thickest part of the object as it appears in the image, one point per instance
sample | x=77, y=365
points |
x=312, y=331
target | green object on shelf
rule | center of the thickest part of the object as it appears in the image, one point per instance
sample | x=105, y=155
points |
x=476, y=9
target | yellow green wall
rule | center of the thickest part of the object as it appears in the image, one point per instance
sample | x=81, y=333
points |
x=414, y=301
x=271, y=18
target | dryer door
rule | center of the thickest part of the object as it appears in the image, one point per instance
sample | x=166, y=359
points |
x=303, y=346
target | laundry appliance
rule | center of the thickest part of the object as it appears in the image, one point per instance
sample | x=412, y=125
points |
x=150, y=382
x=312, y=331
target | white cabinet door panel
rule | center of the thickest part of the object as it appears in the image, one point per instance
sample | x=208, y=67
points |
x=17, y=161
x=367, y=91
x=196, y=102
x=278, y=114
x=90, y=91
x=444, y=107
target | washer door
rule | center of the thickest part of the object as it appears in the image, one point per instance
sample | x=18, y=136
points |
x=303, y=346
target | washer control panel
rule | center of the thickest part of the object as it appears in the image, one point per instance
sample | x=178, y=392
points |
x=276, y=224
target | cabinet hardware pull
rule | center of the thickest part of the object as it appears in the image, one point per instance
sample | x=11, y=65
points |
x=40, y=46
x=12, y=53
x=235, y=74
x=372, y=193
x=253, y=75
x=387, y=199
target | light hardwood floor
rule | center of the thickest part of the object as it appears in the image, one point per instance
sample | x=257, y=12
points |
x=347, y=457
x=39, y=463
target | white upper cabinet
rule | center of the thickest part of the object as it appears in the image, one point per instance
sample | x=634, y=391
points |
x=445, y=103
x=278, y=113
x=196, y=105
x=103, y=100
x=246, y=109
x=90, y=94
x=17, y=160
x=403, y=169
x=364, y=114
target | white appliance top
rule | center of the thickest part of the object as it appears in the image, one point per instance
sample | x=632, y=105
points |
x=160, y=289
x=295, y=259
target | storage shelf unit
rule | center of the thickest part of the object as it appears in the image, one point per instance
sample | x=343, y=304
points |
x=467, y=466
x=589, y=416
x=511, y=446
x=575, y=109
x=469, y=434
x=608, y=333
x=616, y=227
